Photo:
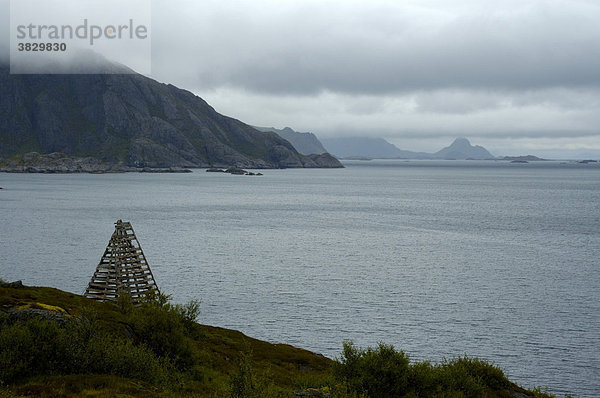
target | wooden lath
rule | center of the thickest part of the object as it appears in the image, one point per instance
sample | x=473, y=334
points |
x=122, y=269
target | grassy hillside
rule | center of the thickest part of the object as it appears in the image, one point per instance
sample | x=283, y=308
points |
x=58, y=344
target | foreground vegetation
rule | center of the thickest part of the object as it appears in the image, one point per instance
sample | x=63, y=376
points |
x=54, y=343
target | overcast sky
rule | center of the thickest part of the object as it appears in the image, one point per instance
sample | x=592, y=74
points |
x=517, y=77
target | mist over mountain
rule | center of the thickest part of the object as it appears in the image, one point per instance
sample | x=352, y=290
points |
x=132, y=120
x=367, y=147
x=304, y=143
x=379, y=148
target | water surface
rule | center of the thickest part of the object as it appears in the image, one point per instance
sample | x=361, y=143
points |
x=489, y=259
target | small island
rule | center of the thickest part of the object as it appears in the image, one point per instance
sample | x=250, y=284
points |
x=523, y=159
x=233, y=170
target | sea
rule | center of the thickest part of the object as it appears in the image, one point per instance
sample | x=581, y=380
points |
x=441, y=259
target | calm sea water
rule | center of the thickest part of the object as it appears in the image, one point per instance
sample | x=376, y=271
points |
x=440, y=259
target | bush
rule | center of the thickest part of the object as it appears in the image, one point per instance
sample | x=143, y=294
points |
x=16, y=354
x=189, y=312
x=153, y=346
x=385, y=372
x=246, y=383
x=382, y=372
x=422, y=379
x=42, y=347
x=162, y=328
x=243, y=383
x=123, y=358
x=480, y=371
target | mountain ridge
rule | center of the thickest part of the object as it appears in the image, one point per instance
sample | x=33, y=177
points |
x=305, y=143
x=371, y=147
x=134, y=121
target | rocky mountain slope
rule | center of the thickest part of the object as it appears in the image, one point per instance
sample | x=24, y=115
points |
x=134, y=121
x=304, y=143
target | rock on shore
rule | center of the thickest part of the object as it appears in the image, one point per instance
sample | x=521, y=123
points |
x=57, y=162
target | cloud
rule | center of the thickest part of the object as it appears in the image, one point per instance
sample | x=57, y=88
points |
x=418, y=73
x=302, y=48
x=114, y=29
x=511, y=74
x=425, y=120
x=472, y=112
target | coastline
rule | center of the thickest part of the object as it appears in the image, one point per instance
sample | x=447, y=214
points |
x=60, y=163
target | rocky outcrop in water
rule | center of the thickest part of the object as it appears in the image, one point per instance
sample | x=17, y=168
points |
x=234, y=171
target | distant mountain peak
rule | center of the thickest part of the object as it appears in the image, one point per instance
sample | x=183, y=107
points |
x=368, y=147
x=461, y=148
x=304, y=143
x=461, y=141
x=376, y=147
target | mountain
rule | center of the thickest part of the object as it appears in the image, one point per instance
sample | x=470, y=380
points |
x=304, y=143
x=378, y=148
x=367, y=147
x=132, y=120
x=461, y=148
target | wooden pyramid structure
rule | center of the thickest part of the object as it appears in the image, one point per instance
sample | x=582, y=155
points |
x=122, y=269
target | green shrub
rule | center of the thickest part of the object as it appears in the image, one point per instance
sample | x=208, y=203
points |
x=481, y=371
x=41, y=347
x=161, y=328
x=123, y=358
x=247, y=383
x=243, y=383
x=38, y=346
x=189, y=312
x=16, y=354
x=422, y=379
x=381, y=372
x=385, y=372
x=453, y=377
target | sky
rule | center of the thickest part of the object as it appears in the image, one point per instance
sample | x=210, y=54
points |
x=517, y=77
